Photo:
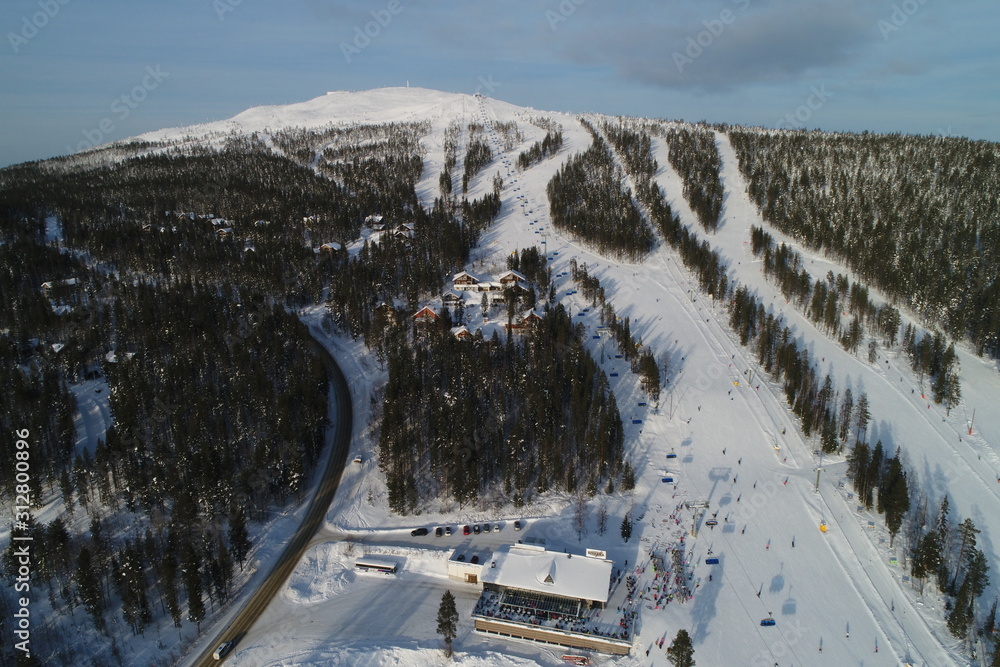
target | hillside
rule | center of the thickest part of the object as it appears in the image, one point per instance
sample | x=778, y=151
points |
x=660, y=335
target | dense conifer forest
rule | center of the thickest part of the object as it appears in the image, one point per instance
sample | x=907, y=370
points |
x=588, y=198
x=693, y=154
x=916, y=217
x=496, y=419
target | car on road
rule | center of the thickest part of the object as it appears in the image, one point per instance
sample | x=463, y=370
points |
x=466, y=530
x=447, y=530
x=438, y=531
x=517, y=525
x=476, y=529
x=417, y=532
x=223, y=650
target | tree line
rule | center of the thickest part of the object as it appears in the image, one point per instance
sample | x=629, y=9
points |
x=824, y=300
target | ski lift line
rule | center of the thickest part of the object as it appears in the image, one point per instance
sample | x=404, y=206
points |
x=733, y=557
x=720, y=349
x=914, y=614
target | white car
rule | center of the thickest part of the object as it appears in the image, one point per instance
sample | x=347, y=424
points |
x=223, y=650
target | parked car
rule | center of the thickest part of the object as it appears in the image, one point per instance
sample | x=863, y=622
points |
x=447, y=530
x=474, y=560
x=517, y=525
x=476, y=529
x=461, y=558
x=496, y=528
x=223, y=650
x=486, y=528
x=466, y=530
x=438, y=531
x=417, y=532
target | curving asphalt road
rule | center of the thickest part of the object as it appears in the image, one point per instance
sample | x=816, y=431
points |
x=282, y=569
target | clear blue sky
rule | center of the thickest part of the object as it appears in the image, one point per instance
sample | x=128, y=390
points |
x=73, y=72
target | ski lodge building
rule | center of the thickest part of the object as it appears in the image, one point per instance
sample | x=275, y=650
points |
x=546, y=596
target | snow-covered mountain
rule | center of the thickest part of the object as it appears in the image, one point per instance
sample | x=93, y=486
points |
x=789, y=546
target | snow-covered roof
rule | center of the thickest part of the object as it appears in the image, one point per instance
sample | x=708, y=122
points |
x=49, y=284
x=332, y=245
x=464, y=274
x=532, y=568
x=513, y=274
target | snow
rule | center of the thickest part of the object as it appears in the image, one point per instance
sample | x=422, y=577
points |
x=532, y=568
x=842, y=591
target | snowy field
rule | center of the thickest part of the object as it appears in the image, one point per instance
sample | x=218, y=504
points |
x=839, y=597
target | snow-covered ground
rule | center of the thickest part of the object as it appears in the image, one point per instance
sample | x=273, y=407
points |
x=840, y=597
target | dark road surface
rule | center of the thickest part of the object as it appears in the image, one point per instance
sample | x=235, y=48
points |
x=282, y=569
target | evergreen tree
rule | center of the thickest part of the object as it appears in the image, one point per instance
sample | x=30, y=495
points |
x=168, y=581
x=90, y=588
x=944, y=541
x=894, y=497
x=681, y=650
x=193, y=585
x=626, y=528
x=927, y=557
x=862, y=416
x=846, y=410
x=447, y=621
x=967, y=532
x=239, y=540
x=960, y=617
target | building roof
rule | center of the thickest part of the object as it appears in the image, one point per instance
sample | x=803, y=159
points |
x=462, y=274
x=426, y=311
x=513, y=274
x=532, y=568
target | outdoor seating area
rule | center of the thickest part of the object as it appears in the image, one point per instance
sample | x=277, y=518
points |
x=538, y=610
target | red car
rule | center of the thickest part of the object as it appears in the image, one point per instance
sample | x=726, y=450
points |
x=466, y=530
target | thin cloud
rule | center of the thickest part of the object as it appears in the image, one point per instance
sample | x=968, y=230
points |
x=719, y=51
